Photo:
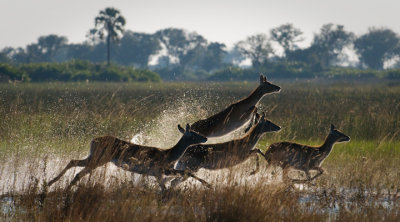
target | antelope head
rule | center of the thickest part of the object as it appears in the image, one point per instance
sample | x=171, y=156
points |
x=265, y=125
x=191, y=136
x=268, y=126
x=337, y=135
x=267, y=87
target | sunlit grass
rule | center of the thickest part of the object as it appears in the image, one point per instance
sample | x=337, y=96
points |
x=43, y=126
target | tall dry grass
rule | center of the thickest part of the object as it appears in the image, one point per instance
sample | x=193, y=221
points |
x=45, y=125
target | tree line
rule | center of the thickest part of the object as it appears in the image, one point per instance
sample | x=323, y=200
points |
x=178, y=54
x=74, y=70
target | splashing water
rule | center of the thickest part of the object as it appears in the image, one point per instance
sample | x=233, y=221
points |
x=162, y=132
x=138, y=139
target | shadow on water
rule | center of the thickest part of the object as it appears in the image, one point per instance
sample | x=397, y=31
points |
x=333, y=201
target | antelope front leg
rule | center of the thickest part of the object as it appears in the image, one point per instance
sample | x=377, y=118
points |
x=199, y=179
x=255, y=152
x=186, y=174
x=308, y=178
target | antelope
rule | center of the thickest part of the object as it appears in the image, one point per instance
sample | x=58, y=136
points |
x=227, y=154
x=135, y=158
x=235, y=115
x=302, y=157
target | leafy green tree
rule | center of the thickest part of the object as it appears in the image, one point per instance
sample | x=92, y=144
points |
x=33, y=53
x=174, y=40
x=257, y=48
x=109, y=21
x=80, y=52
x=6, y=54
x=330, y=42
x=233, y=56
x=377, y=46
x=286, y=36
x=136, y=48
x=49, y=46
x=182, y=45
x=193, y=58
x=19, y=55
x=214, y=56
x=309, y=56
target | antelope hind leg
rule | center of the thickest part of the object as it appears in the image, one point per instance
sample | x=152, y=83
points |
x=161, y=183
x=72, y=163
x=176, y=181
x=78, y=176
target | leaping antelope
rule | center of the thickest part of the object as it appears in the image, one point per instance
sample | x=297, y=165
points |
x=135, y=158
x=235, y=115
x=227, y=154
x=302, y=157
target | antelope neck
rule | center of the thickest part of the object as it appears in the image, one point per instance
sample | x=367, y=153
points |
x=254, y=97
x=328, y=144
x=176, y=151
x=253, y=136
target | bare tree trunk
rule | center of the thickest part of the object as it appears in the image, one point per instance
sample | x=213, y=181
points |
x=108, y=48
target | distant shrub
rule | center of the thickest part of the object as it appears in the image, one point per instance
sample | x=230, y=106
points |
x=339, y=72
x=75, y=71
x=42, y=71
x=144, y=75
x=291, y=70
x=299, y=70
x=233, y=74
x=9, y=72
x=393, y=74
x=274, y=70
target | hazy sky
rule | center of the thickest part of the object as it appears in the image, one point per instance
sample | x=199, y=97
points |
x=226, y=21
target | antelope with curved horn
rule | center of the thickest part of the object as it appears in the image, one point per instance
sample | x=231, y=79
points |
x=227, y=154
x=235, y=115
x=302, y=157
x=135, y=158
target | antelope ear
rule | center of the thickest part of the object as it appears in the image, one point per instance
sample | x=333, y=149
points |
x=261, y=78
x=265, y=78
x=332, y=127
x=181, y=129
x=187, y=127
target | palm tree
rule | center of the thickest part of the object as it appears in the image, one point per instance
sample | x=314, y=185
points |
x=111, y=21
